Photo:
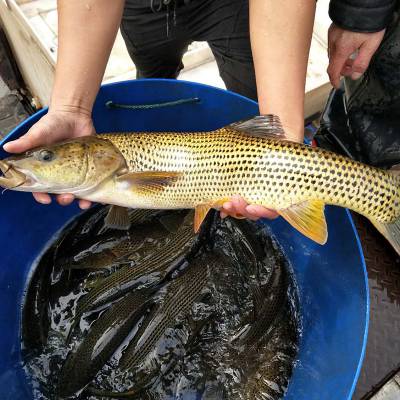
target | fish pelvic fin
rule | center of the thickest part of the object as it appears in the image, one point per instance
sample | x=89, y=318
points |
x=117, y=218
x=391, y=231
x=308, y=218
x=149, y=181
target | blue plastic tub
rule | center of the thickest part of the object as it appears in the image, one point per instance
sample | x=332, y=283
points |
x=331, y=279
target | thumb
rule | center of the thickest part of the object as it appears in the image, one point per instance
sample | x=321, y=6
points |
x=361, y=62
x=33, y=138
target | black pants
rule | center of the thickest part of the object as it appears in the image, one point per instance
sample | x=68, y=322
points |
x=157, y=40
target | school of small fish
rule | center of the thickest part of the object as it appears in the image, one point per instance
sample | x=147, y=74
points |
x=174, y=315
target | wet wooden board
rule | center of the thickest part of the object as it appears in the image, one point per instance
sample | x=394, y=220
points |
x=34, y=58
x=14, y=104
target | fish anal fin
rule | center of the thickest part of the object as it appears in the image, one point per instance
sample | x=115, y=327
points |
x=264, y=126
x=391, y=231
x=202, y=210
x=308, y=218
x=200, y=214
x=149, y=180
x=117, y=218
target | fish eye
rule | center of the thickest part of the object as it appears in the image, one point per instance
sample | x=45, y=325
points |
x=45, y=155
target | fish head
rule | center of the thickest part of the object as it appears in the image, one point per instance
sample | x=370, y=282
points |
x=72, y=166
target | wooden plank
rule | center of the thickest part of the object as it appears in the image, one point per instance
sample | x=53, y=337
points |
x=34, y=7
x=48, y=37
x=51, y=19
x=34, y=59
x=119, y=64
x=315, y=99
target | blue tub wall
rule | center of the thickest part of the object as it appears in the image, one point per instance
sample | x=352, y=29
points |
x=331, y=279
x=334, y=299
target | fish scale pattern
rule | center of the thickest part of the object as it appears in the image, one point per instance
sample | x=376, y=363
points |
x=179, y=301
x=269, y=172
x=121, y=280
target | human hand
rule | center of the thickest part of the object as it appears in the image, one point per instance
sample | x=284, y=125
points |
x=53, y=127
x=350, y=52
x=237, y=207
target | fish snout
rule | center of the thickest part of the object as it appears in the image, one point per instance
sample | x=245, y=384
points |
x=9, y=177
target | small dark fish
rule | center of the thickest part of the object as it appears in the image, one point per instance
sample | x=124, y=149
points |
x=182, y=292
x=269, y=377
x=275, y=297
x=105, y=336
x=36, y=322
x=148, y=273
x=140, y=357
x=114, y=249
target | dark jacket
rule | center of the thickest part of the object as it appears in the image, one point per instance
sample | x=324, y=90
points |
x=362, y=15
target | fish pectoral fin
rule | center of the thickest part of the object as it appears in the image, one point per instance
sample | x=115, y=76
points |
x=264, y=126
x=149, y=180
x=308, y=218
x=117, y=218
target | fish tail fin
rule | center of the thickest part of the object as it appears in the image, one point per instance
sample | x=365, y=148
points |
x=391, y=231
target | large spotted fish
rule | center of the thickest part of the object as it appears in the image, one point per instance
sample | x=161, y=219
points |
x=202, y=170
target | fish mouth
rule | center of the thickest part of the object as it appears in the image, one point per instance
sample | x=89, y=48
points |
x=10, y=178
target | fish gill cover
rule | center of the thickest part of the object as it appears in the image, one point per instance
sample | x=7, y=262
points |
x=158, y=312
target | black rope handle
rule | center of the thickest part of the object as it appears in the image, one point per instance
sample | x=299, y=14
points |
x=110, y=104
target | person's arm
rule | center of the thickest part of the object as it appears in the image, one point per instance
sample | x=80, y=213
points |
x=86, y=33
x=281, y=32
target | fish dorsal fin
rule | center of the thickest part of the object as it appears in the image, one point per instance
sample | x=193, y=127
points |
x=117, y=218
x=308, y=218
x=264, y=126
x=149, y=180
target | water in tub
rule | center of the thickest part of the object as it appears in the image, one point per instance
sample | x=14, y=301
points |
x=159, y=312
